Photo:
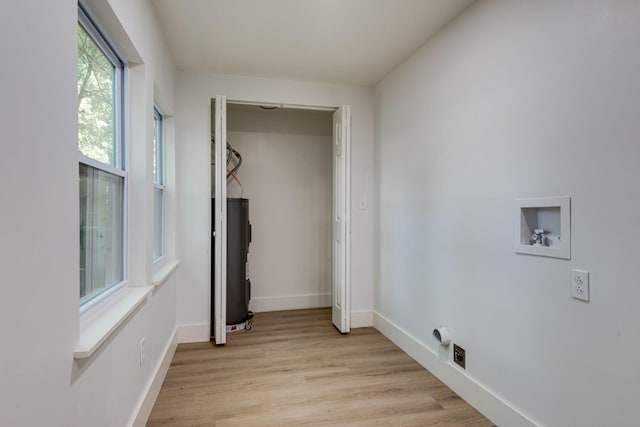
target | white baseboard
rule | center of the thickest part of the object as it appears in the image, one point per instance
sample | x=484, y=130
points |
x=361, y=319
x=195, y=332
x=485, y=401
x=292, y=302
x=148, y=399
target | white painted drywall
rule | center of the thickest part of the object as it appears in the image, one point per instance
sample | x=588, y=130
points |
x=287, y=176
x=41, y=383
x=512, y=100
x=194, y=93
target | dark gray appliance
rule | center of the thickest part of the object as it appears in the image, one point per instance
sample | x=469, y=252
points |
x=238, y=283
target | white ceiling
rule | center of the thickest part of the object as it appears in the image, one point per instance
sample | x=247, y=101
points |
x=336, y=41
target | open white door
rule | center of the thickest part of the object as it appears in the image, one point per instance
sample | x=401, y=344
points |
x=341, y=277
x=220, y=218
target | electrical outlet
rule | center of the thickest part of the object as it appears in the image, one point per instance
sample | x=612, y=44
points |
x=580, y=285
x=142, y=342
x=459, y=356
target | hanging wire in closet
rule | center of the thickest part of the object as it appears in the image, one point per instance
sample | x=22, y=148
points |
x=234, y=161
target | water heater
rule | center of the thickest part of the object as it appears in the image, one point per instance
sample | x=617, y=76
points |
x=238, y=283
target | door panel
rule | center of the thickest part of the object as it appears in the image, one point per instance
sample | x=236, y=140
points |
x=341, y=286
x=220, y=221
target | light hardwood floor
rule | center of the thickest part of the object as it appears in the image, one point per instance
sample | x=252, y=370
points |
x=294, y=369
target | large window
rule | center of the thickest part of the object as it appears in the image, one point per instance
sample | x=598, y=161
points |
x=158, y=185
x=102, y=177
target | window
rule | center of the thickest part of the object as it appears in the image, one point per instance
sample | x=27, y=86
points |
x=158, y=185
x=102, y=177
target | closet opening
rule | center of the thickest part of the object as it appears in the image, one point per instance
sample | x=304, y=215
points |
x=279, y=200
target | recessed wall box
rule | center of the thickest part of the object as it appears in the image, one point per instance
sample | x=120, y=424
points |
x=543, y=227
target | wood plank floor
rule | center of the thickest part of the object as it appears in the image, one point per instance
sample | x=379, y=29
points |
x=294, y=369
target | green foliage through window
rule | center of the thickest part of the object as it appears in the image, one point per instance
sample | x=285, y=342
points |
x=96, y=101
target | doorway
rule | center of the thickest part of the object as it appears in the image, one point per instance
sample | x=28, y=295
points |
x=295, y=170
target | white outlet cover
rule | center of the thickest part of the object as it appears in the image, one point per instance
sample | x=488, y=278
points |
x=142, y=355
x=363, y=203
x=580, y=285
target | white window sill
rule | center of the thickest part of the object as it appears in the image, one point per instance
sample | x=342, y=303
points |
x=97, y=325
x=161, y=276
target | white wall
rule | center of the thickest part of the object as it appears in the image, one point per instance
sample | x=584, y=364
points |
x=194, y=94
x=42, y=384
x=513, y=100
x=287, y=176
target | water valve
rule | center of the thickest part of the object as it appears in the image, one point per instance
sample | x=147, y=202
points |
x=538, y=237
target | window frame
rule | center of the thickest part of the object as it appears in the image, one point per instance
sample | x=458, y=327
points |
x=118, y=168
x=159, y=184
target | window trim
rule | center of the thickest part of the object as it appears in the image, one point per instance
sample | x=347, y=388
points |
x=160, y=152
x=102, y=166
x=118, y=168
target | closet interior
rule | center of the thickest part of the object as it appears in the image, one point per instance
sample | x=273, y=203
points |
x=279, y=210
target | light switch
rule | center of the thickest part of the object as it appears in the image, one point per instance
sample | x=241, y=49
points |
x=363, y=203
